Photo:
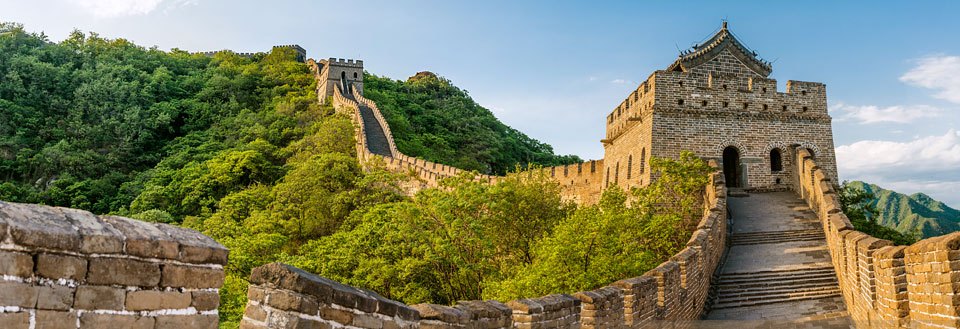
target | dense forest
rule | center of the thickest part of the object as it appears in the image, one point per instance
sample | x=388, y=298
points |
x=434, y=120
x=916, y=214
x=239, y=149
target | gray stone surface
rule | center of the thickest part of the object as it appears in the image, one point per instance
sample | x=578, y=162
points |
x=781, y=245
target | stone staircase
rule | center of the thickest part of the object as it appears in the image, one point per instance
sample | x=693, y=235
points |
x=760, y=288
x=778, y=269
x=376, y=138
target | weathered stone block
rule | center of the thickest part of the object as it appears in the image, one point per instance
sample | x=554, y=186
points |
x=122, y=271
x=18, y=294
x=187, y=321
x=39, y=226
x=96, y=236
x=195, y=247
x=61, y=267
x=291, y=301
x=56, y=320
x=99, y=298
x=91, y=320
x=55, y=297
x=255, y=312
x=19, y=320
x=179, y=276
x=144, y=239
x=16, y=264
x=148, y=300
x=205, y=300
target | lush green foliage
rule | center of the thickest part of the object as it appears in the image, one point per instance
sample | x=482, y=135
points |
x=860, y=206
x=469, y=240
x=239, y=149
x=915, y=214
x=434, y=120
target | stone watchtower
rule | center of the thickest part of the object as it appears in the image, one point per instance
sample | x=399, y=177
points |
x=334, y=72
x=717, y=101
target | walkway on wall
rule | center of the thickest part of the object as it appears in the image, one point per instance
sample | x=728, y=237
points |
x=778, y=269
x=376, y=138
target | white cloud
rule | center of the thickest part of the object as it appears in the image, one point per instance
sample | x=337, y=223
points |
x=873, y=114
x=940, y=72
x=925, y=164
x=620, y=81
x=923, y=156
x=119, y=8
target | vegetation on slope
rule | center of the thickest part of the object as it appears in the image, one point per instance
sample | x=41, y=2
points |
x=240, y=150
x=434, y=120
x=915, y=214
x=860, y=206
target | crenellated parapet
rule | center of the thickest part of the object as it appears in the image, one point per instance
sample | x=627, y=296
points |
x=884, y=286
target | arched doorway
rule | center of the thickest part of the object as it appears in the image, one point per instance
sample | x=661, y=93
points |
x=343, y=83
x=731, y=166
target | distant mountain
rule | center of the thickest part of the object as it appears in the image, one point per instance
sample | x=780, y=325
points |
x=908, y=213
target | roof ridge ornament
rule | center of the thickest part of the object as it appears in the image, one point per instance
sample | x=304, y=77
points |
x=710, y=49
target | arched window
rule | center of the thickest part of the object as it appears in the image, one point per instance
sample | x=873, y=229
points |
x=776, y=160
x=354, y=75
x=643, y=160
x=616, y=175
x=629, y=166
x=608, y=177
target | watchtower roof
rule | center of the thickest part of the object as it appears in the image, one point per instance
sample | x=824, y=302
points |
x=707, y=51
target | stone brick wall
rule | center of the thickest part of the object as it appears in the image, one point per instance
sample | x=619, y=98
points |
x=282, y=296
x=671, y=294
x=884, y=285
x=67, y=268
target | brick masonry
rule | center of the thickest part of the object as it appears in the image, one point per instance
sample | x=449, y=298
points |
x=67, y=268
x=883, y=285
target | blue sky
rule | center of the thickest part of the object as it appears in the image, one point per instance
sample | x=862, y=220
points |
x=554, y=69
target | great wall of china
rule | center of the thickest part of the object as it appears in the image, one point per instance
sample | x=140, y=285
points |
x=792, y=251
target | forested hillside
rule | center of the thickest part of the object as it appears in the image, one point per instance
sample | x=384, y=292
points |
x=432, y=119
x=240, y=150
x=915, y=213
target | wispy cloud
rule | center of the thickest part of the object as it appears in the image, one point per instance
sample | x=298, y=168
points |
x=120, y=8
x=940, y=73
x=870, y=114
x=620, y=81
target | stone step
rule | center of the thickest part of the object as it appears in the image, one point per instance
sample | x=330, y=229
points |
x=775, y=291
x=776, y=274
x=776, y=237
x=776, y=283
x=776, y=278
x=753, y=301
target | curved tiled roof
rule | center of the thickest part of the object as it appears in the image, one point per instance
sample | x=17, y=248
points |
x=712, y=48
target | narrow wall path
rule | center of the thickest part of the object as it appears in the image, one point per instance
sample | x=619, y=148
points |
x=778, y=270
x=376, y=137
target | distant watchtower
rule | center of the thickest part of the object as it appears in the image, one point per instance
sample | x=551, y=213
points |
x=339, y=72
x=717, y=101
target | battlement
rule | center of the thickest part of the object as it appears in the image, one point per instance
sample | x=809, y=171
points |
x=301, y=53
x=344, y=62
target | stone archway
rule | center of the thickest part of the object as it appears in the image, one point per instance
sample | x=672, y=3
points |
x=731, y=166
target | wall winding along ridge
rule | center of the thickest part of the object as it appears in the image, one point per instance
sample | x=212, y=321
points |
x=676, y=291
x=885, y=285
x=67, y=268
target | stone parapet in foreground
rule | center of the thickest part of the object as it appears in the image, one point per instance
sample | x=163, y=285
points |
x=67, y=268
